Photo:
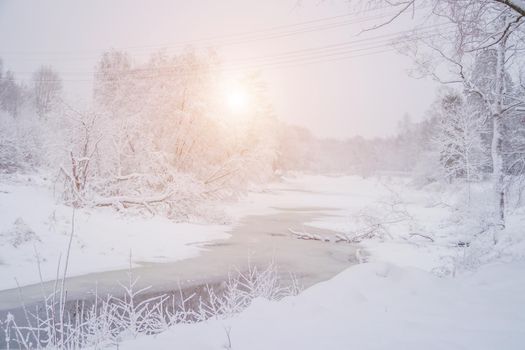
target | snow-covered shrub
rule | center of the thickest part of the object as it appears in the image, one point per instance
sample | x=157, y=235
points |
x=165, y=144
x=427, y=170
x=157, y=143
x=242, y=288
x=377, y=220
x=108, y=321
x=515, y=191
x=466, y=228
x=20, y=233
x=20, y=143
x=485, y=242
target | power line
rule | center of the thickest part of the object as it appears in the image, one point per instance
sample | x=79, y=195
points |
x=257, y=37
x=372, y=40
x=359, y=44
x=318, y=56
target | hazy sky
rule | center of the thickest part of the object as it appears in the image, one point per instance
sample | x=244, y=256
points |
x=333, y=97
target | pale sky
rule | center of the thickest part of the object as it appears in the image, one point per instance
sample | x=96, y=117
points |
x=334, y=98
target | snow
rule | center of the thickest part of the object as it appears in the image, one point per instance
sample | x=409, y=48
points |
x=335, y=194
x=103, y=239
x=374, y=306
x=411, y=293
x=443, y=213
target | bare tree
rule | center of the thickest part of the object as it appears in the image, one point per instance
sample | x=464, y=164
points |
x=11, y=94
x=47, y=86
x=406, y=6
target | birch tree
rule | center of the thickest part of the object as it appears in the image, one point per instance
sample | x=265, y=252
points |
x=410, y=6
x=493, y=26
x=494, y=31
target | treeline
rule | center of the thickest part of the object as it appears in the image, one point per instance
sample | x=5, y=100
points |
x=302, y=151
x=157, y=136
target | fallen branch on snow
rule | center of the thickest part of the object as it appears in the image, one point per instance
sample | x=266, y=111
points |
x=122, y=201
x=308, y=236
x=412, y=234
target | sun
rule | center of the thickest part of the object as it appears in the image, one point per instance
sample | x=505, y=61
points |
x=237, y=99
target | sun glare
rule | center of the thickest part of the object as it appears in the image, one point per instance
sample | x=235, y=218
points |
x=237, y=99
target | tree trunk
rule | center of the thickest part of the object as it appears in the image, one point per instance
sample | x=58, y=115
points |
x=498, y=174
x=497, y=169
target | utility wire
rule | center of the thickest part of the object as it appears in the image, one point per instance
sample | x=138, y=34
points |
x=249, y=36
x=339, y=48
x=278, y=61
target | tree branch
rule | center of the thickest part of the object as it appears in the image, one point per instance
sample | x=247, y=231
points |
x=519, y=7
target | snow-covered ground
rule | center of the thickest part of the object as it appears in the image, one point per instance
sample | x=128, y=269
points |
x=420, y=286
x=412, y=293
x=373, y=306
x=33, y=224
x=425, y=228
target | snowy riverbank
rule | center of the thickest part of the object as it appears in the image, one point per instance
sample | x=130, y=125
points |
x=426, y=278
x=373, y=306
x=34, y=227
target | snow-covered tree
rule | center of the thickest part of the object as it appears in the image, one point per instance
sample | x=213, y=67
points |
x=480, y=53
x=458, y=138
x=47, y=87
x=167, y=139
x=12, y=94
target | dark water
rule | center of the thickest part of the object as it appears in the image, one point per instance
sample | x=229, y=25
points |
x=255, y=241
